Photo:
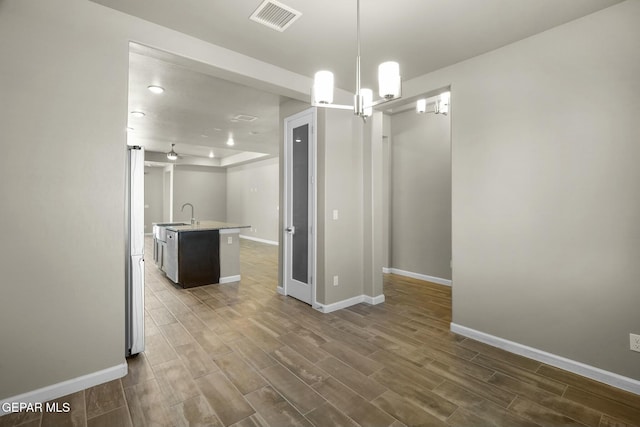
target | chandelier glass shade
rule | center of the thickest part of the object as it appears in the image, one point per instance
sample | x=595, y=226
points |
x=389, y=85
x=421, y=106
x=389, y=80
x=323, y=87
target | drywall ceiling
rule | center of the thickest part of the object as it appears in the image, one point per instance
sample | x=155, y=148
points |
x=197, y=112
x=197, y=109
x=422, y=35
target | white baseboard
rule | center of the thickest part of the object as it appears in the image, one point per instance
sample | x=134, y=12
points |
x=328, y=308
x=257, y=239
x=418, y=276
x=610, y=378
x=229, y=279
x=373, y=300
x=280, y=290
x=64, y=388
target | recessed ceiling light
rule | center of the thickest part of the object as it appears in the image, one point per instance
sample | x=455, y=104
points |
x=243, y=118
x=155, y=89
x=211, y=154
x=138, y=114
x=230, y=142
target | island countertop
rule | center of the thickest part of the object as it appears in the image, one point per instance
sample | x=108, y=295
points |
x=206, y=225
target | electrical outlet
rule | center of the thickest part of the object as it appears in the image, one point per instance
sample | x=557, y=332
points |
x=335, y=214
x=335, y=280
x=634, y=342
x=229, y=240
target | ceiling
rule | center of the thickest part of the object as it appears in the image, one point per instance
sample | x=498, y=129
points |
x=197, y=112
x=422, y=35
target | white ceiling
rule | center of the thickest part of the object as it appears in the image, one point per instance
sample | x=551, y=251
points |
x=197, y=112
x=422, y=35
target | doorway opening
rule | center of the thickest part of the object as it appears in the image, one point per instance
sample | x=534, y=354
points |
x=227, y=137
x=418, y=190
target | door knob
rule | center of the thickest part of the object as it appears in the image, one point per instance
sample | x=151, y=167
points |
x=291, y=230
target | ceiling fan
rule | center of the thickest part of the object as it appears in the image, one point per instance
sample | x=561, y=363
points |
x=172, y=155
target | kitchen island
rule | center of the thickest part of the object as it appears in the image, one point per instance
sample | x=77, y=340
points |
x=202, y=253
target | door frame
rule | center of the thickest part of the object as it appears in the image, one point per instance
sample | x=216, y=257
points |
x=313, y=201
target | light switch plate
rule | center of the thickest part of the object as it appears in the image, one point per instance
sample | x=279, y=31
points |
x=229, y=240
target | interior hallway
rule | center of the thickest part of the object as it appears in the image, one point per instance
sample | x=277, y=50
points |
x=240, y=354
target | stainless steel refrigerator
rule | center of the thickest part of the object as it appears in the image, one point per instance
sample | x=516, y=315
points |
x=134, y=291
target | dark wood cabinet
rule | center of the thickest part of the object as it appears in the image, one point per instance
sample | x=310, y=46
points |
x=198, y=258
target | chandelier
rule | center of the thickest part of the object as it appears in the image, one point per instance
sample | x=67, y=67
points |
x=389, y=85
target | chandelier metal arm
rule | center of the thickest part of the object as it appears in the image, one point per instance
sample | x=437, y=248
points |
x=388, y=72
x=383, y=101
x=358, y=48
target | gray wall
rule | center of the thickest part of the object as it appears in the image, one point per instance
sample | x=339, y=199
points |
x=546, y=230
x=167, y=193
x=386, y=191
x=246, y=194
x=65, y=145
x=374, y=206
x=253, y=197
x=205, y=188
x=152, y=197
x=340, y=187
x=62, y=188
x=420, y=232
x=229, y=254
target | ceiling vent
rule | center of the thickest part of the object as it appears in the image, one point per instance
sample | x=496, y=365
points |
x=275, y=15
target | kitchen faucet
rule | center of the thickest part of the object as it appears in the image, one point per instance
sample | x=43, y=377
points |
x=193, y=217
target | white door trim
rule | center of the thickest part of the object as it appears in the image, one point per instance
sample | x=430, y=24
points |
x=311, y=112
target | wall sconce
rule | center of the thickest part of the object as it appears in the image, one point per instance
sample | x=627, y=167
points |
x=421, y=106
x=440, y=105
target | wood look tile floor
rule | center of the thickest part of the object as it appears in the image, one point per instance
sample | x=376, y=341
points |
x=241, y=355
